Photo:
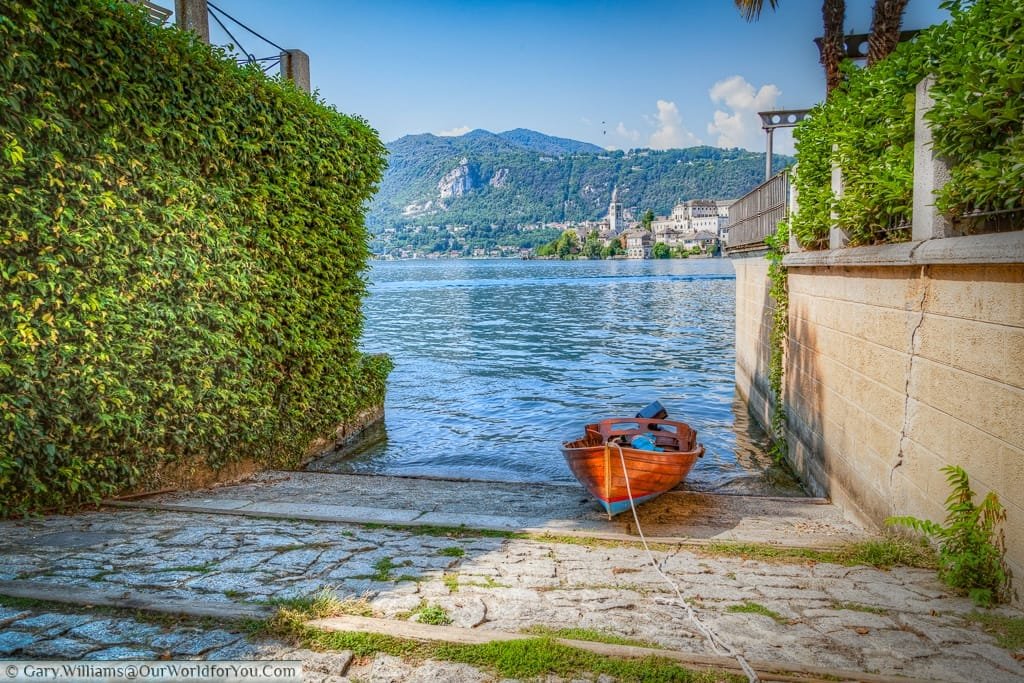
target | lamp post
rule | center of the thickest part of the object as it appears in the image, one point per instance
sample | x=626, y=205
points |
x=780, y=118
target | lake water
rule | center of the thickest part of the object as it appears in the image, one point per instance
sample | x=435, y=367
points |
x=499, y=361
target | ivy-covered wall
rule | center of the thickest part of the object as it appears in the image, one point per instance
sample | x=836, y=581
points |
x=867, y=128
x=182, y=261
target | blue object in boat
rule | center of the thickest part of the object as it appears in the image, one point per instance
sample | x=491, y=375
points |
x=654, y=411
x=644, y=442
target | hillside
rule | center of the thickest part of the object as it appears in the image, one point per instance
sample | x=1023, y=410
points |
x=491, y=183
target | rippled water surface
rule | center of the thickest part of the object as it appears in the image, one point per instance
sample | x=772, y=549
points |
x=497, y=362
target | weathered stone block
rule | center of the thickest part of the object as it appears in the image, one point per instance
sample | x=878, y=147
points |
x=989, y=293
x=991, y=406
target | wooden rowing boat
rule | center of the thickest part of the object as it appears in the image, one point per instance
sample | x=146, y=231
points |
x=596, y=461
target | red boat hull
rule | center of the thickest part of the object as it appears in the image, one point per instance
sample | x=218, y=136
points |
x=597, y=459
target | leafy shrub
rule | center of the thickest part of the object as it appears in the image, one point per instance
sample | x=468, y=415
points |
x=979, y=107
x=866, y=127
x=970, y=549
x=183, y=248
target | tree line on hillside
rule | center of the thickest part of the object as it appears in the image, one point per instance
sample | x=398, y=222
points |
x=505, y=188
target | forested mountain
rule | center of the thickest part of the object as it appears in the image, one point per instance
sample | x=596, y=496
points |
x=489, y=183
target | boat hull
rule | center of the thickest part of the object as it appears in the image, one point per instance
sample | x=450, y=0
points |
x=597, y=460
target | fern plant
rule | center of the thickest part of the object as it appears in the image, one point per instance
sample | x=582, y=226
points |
x=971, y=549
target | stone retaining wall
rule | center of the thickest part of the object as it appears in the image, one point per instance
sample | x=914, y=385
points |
x=754, y=308
x=900, y=360
x=196, y=474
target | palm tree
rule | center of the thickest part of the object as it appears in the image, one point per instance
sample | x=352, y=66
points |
x=886, y=17
x=751, y=9
x=832, y=47
x=833, y=12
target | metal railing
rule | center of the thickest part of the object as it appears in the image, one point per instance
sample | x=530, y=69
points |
x=157, y=15
x=758, y=214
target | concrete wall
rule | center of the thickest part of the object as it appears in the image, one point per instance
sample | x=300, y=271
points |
x=754, y=309
x=900, y=360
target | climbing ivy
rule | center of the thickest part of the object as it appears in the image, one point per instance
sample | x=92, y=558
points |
x=779, y=293
x=183, y=256
x=867, y=129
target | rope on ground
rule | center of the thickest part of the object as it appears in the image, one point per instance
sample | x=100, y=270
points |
x=717, y=644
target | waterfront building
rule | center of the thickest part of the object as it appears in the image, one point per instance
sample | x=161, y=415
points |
x=704, y=240
x=638, y=243
x=695, y=215
x=723, y=219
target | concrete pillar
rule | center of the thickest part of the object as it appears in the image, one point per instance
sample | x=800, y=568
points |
x=837, y=237
x=295, y=67
x=931, y=172
x=768, y=155
x=794, y=206
x=193, y=15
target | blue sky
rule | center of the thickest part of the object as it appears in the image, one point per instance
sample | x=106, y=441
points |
x=618, y=74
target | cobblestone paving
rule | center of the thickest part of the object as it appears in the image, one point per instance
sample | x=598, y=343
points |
x=898, y=622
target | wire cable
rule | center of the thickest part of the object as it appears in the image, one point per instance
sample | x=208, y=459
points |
x=717, y=644
x=235, y=41
x=263, y=38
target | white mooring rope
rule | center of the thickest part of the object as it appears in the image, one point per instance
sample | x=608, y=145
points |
x=717, y=644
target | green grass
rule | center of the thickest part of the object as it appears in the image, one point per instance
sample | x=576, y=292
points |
x=889, y=552
x=533, y=658
x=748, y=607
x=452, y=551
x=233, y=594
x=320, y=605
x=857, y=607
x=452, y=582
x=488, y=582
x=523, y=659
x=883, y=553
x=412, y=578
x=382, y=569
x=588, y=634
x=445, y=531
x=431, y=614
x=33, y=603
x=591, y=542
x=1009, y=631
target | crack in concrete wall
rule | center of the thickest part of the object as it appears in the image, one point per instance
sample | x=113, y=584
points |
x=912, y=354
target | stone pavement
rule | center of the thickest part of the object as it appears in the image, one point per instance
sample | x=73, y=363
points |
x=900, y=622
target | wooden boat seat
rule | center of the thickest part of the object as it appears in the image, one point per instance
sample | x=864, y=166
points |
x=668, y=434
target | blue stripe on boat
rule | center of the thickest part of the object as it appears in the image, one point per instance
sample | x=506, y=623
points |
x=623, y=505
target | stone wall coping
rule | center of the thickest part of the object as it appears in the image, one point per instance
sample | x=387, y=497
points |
x=994, y=248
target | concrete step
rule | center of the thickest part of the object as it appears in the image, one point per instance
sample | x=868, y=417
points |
x=680, y=517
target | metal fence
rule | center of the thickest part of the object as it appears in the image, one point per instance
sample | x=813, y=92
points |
x=758, y=214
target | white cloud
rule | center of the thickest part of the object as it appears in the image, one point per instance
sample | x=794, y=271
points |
x=454, y=132
x=741, y=127
x=629, y=134
x=670, y=129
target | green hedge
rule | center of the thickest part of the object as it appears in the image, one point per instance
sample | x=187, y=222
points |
x=183, y=256
x=977, y=59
